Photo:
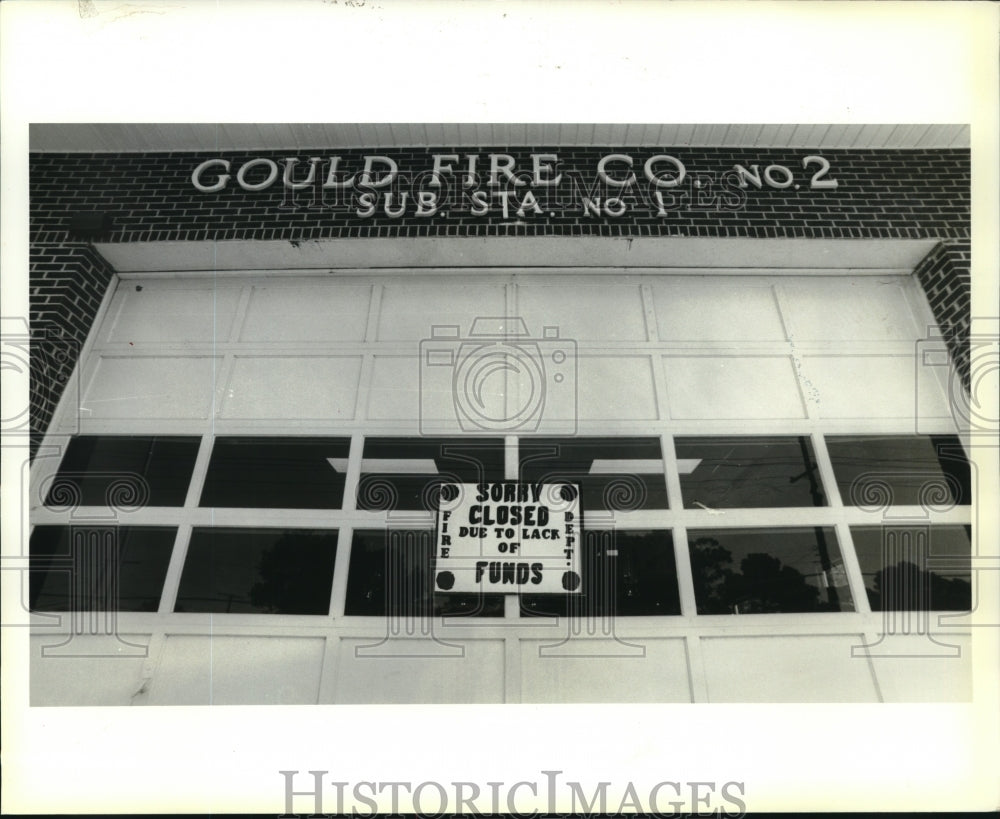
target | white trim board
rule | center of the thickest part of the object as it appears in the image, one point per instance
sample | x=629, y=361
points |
x=801, y=256
x=117, y=137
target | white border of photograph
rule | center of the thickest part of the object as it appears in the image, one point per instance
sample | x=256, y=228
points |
x=379, y=60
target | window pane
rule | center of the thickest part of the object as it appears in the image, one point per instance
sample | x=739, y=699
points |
x=98, y=568
x=277, y=473
x=748, y=473
x=753, y=571
x=624, y=573
x=619, y=474
x=900, y=469
x=266, y=571
x=398, y=582
x=95, y=466
x=915, y=568
x=405, y=473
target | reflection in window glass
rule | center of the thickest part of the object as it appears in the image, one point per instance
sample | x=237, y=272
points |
x=880, y=470
x=915, y=568
x=754, y=571
x=263, y=571
x=406, y=473
x=398, y=581
x=276, y=473
x=626, y=573
x=98, y=568
x=748, y=473
x=125, y=470
x=620, y=474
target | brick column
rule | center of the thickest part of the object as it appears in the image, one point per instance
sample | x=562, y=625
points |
x=944, y=273
x=67, y=283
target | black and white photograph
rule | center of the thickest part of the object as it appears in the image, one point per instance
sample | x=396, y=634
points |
x=501, y=414
x=473, y=425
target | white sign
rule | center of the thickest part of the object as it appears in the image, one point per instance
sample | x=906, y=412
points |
x=508, y=538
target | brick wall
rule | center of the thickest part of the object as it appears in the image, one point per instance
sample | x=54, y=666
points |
x=945, y=276
x=909, y=194
x=67, y=283
x=150, y=197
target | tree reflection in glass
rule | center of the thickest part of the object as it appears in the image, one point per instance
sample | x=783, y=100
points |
x=933, y=573
x=765, y=571
x=258, y=571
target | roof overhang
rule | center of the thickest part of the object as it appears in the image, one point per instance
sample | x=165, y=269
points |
x=680, y=255
x=215, y=137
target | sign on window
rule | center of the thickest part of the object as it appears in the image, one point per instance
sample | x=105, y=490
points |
x=508, y=537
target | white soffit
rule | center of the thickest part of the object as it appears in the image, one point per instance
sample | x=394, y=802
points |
x=577, y=254
x=141, y=137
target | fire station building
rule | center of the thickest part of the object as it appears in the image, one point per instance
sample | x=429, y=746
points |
x=500, y=414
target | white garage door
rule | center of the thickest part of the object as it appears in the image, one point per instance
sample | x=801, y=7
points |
x=269, y=450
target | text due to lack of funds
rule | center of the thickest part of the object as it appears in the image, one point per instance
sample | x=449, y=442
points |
x=508, y=538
